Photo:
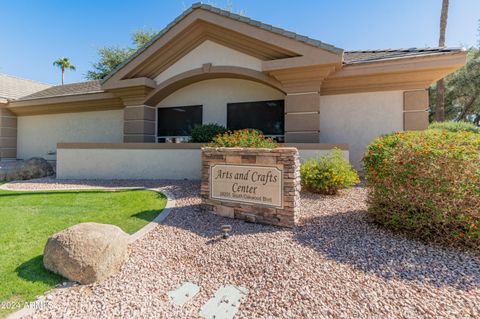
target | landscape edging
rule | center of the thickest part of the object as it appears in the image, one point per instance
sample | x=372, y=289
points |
x=29, y=310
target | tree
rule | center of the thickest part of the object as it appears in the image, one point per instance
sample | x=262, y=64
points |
x=112, y=57
x=64, y=64
x=142, y=37
x=462, y=101
x=462, y=90
x=440, y=107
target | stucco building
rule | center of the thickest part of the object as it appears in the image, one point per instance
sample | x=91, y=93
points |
x=212, y=66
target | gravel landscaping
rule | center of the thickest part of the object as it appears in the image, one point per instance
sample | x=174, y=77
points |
x=334, y=265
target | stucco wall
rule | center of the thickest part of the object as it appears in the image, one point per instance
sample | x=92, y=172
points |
x=39, y=134
x=128, y=163
x=357, y=119
x=210, y=52
x=215, y=94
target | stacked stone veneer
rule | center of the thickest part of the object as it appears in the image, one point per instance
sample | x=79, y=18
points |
x=8, y=134
x=285, y=158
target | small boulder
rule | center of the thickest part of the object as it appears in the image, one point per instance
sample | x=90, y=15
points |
x=87, y=252
x=35, y=167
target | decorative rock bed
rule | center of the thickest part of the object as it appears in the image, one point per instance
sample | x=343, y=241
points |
x=32, y=168
x=334, y=264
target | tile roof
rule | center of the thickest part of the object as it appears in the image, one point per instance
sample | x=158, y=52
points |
x=352, y=57
x=238, y=17
x=12, y=87
x=67, y=89
x=261, y=25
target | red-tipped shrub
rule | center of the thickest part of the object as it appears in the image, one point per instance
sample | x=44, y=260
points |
x=426, y=183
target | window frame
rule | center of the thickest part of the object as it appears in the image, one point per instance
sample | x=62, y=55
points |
x=176, y=138
x=279, y=137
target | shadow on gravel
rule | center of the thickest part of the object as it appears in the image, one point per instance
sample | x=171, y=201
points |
x=194, y=219
x=347, y=238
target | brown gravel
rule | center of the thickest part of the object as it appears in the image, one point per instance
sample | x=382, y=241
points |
x=334, y=265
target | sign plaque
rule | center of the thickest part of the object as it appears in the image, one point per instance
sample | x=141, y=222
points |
x=251, y=184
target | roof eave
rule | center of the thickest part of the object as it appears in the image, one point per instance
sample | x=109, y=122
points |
x=199, y=6
x=417, y=56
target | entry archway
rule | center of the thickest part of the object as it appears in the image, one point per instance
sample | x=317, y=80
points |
x=208, y=72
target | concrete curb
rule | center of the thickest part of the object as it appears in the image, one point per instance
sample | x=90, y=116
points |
x=171, y=202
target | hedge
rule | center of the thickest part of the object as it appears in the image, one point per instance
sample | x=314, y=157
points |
x=205, y=133
x=455, y=126
x=328, y=174
x=426, y=183
x=243, y=138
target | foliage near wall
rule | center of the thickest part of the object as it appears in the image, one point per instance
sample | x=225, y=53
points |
x=206, y=133
x=453, y=126
x=426, y=183
x=328, y=174
x=243, y=138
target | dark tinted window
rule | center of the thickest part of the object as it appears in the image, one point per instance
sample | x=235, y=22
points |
x=266, y=116
x=178, y=121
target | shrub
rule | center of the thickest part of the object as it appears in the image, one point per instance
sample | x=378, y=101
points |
x=205, y=133
x=327, y=174
x=243, y=138
x=426, y=183
x=453, y=126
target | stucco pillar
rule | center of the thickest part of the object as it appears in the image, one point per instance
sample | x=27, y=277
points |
x=139, y=124
x=302, y=117
x=302, y=103
x=8, y=134
x=415, y=110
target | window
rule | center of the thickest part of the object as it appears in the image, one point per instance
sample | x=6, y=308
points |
x=177, y=122
x=266, y=116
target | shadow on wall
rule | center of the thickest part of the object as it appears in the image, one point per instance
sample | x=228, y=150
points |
x=347, y=238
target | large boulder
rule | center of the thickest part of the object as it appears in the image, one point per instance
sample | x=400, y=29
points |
x=35, y=167
x=87, y=252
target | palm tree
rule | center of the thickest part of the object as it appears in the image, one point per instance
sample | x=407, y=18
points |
x=64, y=64
x=440, y=108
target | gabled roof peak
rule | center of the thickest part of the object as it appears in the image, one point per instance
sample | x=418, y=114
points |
x=268, y=27
x=255, y=23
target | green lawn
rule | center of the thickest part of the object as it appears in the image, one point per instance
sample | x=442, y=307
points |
x=27, y=219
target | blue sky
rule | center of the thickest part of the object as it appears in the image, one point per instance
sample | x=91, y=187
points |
x=35, y=33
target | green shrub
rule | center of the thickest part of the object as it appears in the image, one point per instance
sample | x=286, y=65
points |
x=426, y=183
x=453, y=126
x=243, y=138
x=327, y=174
x=206, y=132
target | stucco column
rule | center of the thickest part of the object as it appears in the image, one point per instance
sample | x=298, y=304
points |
x=139, y=124
x=302, y=117
x=415, y=106
x=8, y=134
x=302, y=103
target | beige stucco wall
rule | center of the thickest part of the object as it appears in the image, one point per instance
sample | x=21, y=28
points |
x=210, y=52
x=357, y=119
x=129, y=164
x=39, y=134
x=215, y=94
x=105, y=163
